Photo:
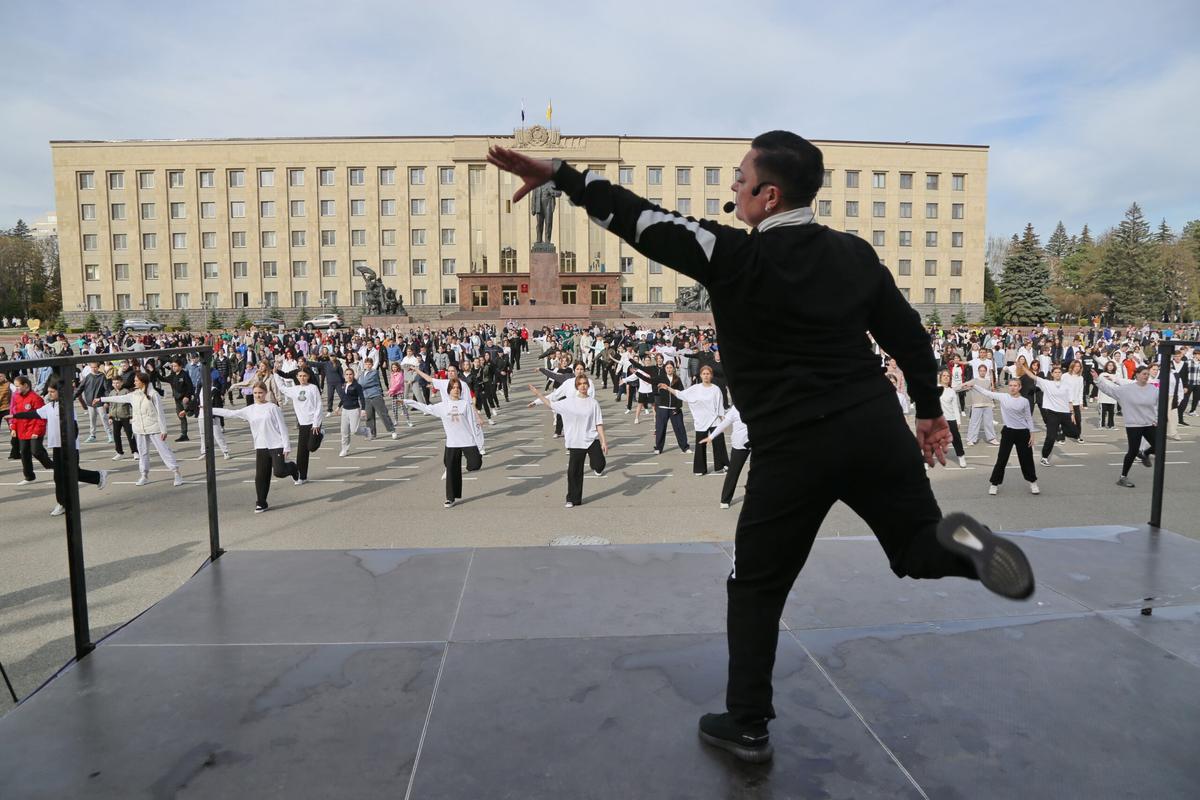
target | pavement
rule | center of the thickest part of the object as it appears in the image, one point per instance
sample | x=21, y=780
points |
x=142, y=543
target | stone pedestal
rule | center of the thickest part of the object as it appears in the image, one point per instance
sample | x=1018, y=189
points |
x=543, y=278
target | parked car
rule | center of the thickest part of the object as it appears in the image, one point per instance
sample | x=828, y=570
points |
x=141, y=324
x=330, y=321
x=268, y=322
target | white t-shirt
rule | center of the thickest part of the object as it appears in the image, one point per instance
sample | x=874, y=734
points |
x=705, y=403
x=580, y=416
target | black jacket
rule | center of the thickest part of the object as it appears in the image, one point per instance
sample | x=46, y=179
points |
x=181, y=385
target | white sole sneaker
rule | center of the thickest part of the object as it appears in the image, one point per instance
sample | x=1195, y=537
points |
x=724, y=505
x=1033, y=488
x=103, y=479
x=118, y=457
x=142, y=481
x=993, y=489
x=58, y=511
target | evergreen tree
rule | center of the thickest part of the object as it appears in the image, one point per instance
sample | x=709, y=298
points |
x=20, y=230
x=243, y=321
x=1164, y=234
x=1125, y=277
x=933, y=318
x=214, y=322
x=1058, y=246
x=1191, y=238
x=92, y=325
x=1085, y=237
x=960, y=317
x=1026, y=278
x=184, y=323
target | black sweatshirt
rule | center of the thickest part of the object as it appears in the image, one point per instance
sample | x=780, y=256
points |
x=815, y=289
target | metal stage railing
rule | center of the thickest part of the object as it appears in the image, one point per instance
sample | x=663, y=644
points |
x=1165, y=351
x=68, y=471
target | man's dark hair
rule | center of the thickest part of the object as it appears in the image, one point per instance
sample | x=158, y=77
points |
x=792, y=163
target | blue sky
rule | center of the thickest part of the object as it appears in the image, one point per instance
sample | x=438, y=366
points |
x=1087, y=106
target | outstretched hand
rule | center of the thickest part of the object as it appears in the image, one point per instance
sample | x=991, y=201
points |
x=532, y=171
x=933, y=437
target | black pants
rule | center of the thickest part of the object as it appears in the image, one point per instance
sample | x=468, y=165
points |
x=453, y=458
x=596, y=459
x=664, y=415
x=482, y=403
x=956, y=438
x=558, y=423
x=182, y=420
x=302, y=451
x=737, y=460
x=268, y=461
x=700, y=459
x=60, y=477
x=31, y=449
x=783, y=509
x=127, y=426
x=1107, y=418
x=1134, y=436
x=1057, y=421
x=334, y=391
x=1010, y=438
x=1188, y=393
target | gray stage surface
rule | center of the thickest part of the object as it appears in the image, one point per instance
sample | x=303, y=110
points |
x=580, y=672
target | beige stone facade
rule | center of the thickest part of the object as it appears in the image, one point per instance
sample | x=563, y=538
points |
x=282, y=222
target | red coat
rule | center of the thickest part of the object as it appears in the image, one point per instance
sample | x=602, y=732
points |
x=26, y=428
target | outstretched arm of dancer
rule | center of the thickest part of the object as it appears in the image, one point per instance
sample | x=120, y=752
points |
x=541, y=397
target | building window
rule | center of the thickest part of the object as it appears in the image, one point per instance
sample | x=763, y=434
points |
x=931, y=295
x=878, y=209
x=852, y=231
x=625, y=176
x=508, y=259
x=212, y=299
x=179, y=270
x=207, y=179
x=266, y=177
x=240, y=269
x=237, y=209
x=931, y=210
x=149, y=272
x=904, y=267
x=712, y=176
x=931, y=238
x=328, y=209
x=117, y=211
x=957, y=211
x=418, y=266
x=87, y=211
x=145, y=180
x=208, y=240
x=178, y=241
x=906, y=238
x=931, y=183
x=270, y=269
x=416, y=176
x=299, y=299
x=956, y=296
x=448, y=236
x=152, y=301
x=208, y=210
x=906, y=180
x=266, y=209
x=268, y=238
x=387, y=176
x=655, y=294
x=181, y=300
x=599, y=294
x=419, y=297
x=175, y=178
x=328, y=238
x=851, y=208
x=210, y=270
x=93, y=302
x=878, y=238
x=147, y=210
x=956, y=269
x=271, y=299
x=906, y=211
x=825, y=208
x=87, y=180
x=241, y=299
x=358, y=176
x=418, y=236
x=89, y=241
x=329, y=268
x=121, y=272
x=508, y=294
x=178, y=211
x=387, y=237
x=956, y=239
x=566, y=261
x=958, y=182
x=654, y=176
x=123, y=302
x=684, y=206
x=329, y=298
x=626, y=264
x=416, y=206
x=299, y=269
x=683, y=176
x=827, y=179
x=387, y=208
x=446, y=176
x=851, y=179
x=295, y=177
x=296, y=208
x=91, y=272
x=358, y=237
x=237, y=239
x=116, y=180
x=299, y=239
x=654, y=267
x=237, y=178
x=626, y=294
x=149, y=241
x=447, y=206
x=904, y=291
x=568, y=294
x=325, y=176
x=930, y=267
x=358, y=208
x=712, y=207
x=878, y=180
x=449, y=297
x=448, y=266
x=479, y=296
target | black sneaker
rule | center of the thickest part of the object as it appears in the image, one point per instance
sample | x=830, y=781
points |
x=1000, y=564
x=1123, y=481
x=1145, y=454
x=258, y=509
x=747, y=742
x=183, y=439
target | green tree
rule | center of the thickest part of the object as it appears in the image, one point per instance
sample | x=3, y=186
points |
x=92, y=325
x=301, y=315
x=933, y=318
x=1164, y=234
x=184, y=322
x=214, y=322
x=1024, y=300
x=960, y=317
x=1058, y=246
x=1085, y=237
x=1125, y=277
x=243, y=321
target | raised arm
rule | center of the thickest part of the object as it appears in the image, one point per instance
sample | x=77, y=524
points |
x=541, y=397
x=229, y=412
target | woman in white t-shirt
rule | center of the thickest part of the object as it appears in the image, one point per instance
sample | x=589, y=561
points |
x=583, y=429
x=464, y=436
x=707, y=406
x=269, y=431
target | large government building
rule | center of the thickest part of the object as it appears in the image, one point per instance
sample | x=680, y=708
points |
x=162, y=226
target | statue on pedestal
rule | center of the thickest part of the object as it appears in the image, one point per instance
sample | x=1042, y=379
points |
x=541, y=205
x=379, y=299
x=693, y=298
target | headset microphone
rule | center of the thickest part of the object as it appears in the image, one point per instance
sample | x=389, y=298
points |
x=729, y=207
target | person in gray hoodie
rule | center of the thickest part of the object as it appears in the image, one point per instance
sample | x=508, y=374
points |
x=373, y=395
x=93, y=385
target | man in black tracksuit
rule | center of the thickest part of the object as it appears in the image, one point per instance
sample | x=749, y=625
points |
x=182, y=390
x=829, y=400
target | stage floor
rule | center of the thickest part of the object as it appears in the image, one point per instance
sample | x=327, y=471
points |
x=580, y=672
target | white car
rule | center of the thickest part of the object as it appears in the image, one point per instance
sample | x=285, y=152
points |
x=330, y=321
x=139, y=324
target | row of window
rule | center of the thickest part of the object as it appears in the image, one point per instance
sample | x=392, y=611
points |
x=266, y=209
x=269, y=269
x=269, y=239
x=879, y=209
x=933, y=180
x=879, y=238
x=236, y=178
x=509, y=296
x=931, y=296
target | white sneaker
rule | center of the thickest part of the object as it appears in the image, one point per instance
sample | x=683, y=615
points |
x=962, y=461
x=58, y=510
x=118, y=456
x=636, y=420
x=724, y=505
x=178, y=478
x=90, y=439
x=142, y=480
x=568, y=505
x=597, y=474
x=409, y=424
x=993, y=489
x=24, y=483
x=343, y=454
x=103, y=479
x=1045, y=462
x=225, y=455
x=443, y=475
x=627, y=411
x=1033, y=488
x=994, y=442
x=299, y=481
x=110, y=441
x=448, y=504
x=395, y=435
x=491, y=422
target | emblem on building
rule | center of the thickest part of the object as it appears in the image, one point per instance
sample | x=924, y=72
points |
x=539, y=137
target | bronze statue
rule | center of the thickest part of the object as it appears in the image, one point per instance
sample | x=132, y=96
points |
x=693, y=298
x=541, y=205
x=377, y=298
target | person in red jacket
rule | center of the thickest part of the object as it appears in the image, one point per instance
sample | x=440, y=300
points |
x=30, y=432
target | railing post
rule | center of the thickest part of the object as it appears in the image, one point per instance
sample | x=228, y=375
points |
x=210, y=459
x=1165, y=350
x=66, y=478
